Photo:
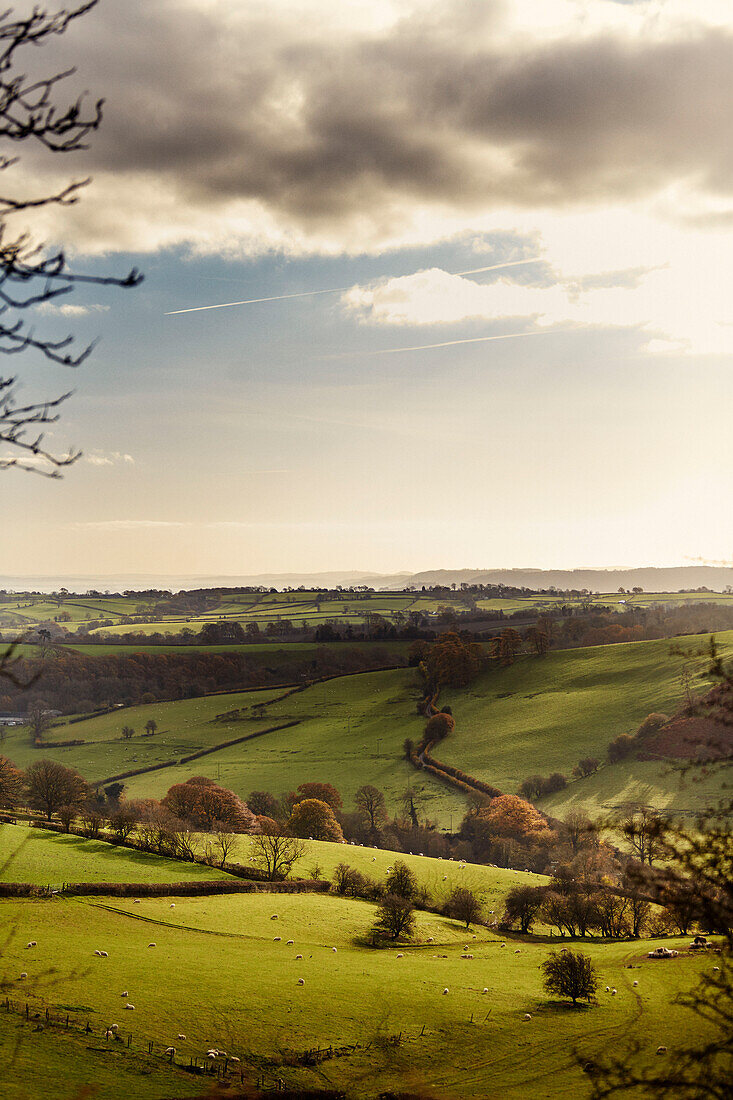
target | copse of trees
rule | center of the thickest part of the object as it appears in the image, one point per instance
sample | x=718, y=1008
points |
x=537, y=786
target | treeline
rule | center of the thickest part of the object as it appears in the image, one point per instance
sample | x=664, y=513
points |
x=73, y=682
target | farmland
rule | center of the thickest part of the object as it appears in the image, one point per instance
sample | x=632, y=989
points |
x=219, y=975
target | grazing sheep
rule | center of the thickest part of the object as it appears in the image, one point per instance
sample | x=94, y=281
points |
x=104, y=954
x=181, y=1037
x=170, y=1050
x=98, y=953
x=114, y=1027
x=502, y=945
x=613, y=992
x=661, y=1050
x=400, y=955
x=301, y=981
x=278, y=939
x=636, y=983
x=298, y=957
x=31, y=944
x=517, y=951
x=527, y=1016
x=334, y=950
x=716, y=968
x=274, y=916
x=173, y=905
x=211, y=1054
x=466, y=956
x=234, y=1059
x=152, y=945
x=125, y=994
x=290, y=943
x=131, y=1007
x=430, y=939
x=484, y=990
x=136, y=901
x=24, y=974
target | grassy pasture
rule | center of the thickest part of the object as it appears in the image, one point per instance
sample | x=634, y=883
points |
x=218, y=975
x=49, y=859
x=540, y=716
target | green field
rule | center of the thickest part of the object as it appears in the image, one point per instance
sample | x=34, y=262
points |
x=218, y=975
x=51, y=859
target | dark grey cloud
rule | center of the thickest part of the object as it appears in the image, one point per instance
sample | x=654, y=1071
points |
x=321, y=130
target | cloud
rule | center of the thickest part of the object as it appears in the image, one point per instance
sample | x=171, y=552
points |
x=129, y=524
x=69, y=310
x=108, y=458
x=298, y=134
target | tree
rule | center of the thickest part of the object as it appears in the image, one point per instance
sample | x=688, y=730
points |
x=401, y=881
x=570, y=974
x=315, y=820
x=587, y=766
x=263, y=804
x=395, y=917
x=325, y=792
x=580, y=828
x=127, y=732
x=208, y=806
x=11, y=784
x=38, y=719
x=509, y=815
x=370, y=803
x=151, y=726
x=51, y=785
x=644, y=828
x=522, y=904
x=276, y=852
x=438, y=727
x=31, y=110
x=463, y=905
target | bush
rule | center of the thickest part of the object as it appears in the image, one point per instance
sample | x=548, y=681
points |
x=395, y=917
x=620, y=748
x=463, y=905
x=401, y=881
x=570, y=974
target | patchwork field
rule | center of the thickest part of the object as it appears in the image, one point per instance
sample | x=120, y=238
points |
x=219, y=975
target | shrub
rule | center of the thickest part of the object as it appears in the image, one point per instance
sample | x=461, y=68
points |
x=570, y=974
x=463, y=905
x=620, y=748
x=401, y=881
x=395, y=917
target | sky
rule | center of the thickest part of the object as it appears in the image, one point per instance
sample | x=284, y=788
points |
x=390, y=405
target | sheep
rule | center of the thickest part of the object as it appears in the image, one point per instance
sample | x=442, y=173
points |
x=517, y=951
x=170, y=1050
x=298, y=957
x=636, y=983
x=334, y=950
x=301, y=981
x=130, y=1007
x=98, y=953
x=400, y=955
x=234, y=1059
x=211, y=1054
x=181, y=1037
x=124, y=994
x=661, y=1050
x=152, y=945
x=114, y=1027
x=430, y=939
x=278, y=939
x=274, y=916
x=484, y=990
x=527, y=1016
x=290, y=943
x=136, y=901
x=31, y=944
x=104, y=954
x=613, y=992
x=608, y=989
x=173, y=905
x=24, y=974
x=466, y=956
x=716, y=968
x=502, y=945
x=446, y=990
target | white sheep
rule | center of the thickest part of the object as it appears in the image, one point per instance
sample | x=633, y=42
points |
x=298, y=957
x=446, y=990
x=173, y=905
x=31, y=944
x=234, y=1059
x=278, y=939
x=136, y=901
x=181, y=1037
x=301, y=981
x=114, y=1027
x=130, y=1007
x=152, y=945
x=466, y=956
x=502, y=945
x=24, y=974
x=613, y=992
x=290, y=943
x=716, y=968
x=104, y=954
x=211, y=1054
x=125, y=994
x=517, y=951
x=527, y=1016
x=636, y=983
x=274, y=916
x=400, y=955
x=170, y=1050
x=484, y=990
x=661, y=1050
x=334, y=950
x=608, y=989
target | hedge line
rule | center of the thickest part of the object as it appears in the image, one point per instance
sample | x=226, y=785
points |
x=165, y=889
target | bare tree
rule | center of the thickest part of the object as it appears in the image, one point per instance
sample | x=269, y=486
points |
x=276, y=853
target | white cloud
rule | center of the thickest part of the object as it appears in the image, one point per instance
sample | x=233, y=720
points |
x=67, y=309
x=108, y=458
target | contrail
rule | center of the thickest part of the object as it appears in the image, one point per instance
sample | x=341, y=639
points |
x=338, y=289
x=450, y=343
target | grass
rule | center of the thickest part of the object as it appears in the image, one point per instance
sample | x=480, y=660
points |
x=540, y=716
x=50, y=859
x=218, y=975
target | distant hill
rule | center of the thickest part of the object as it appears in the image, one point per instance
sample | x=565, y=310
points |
x=672, y=579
